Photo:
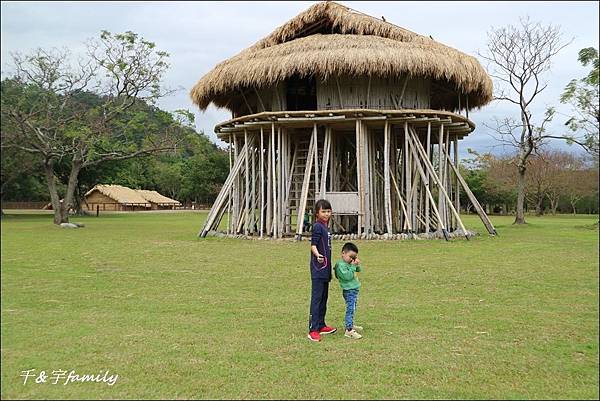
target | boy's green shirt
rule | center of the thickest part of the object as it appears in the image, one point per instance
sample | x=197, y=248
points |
x=344, y=272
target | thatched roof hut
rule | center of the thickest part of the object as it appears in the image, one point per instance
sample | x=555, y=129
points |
x=329, y=40
x=157, y=200
x=115, y=197
x=366, y=105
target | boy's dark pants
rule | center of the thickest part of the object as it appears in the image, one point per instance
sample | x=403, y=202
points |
x=318, y=305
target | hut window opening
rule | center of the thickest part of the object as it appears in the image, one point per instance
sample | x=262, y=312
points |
x=301, y=93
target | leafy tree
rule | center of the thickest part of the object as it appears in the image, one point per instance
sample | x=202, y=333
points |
x=582, y=94
x=72, y=114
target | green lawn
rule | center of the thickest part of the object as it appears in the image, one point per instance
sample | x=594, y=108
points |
x=513, y=316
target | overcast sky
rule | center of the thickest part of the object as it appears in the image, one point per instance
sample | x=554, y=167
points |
x=198, y=35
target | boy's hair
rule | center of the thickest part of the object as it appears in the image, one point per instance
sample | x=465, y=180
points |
x=322, y=204
x=349, y=246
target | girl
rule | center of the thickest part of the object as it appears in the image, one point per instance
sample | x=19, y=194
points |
x=320, y=271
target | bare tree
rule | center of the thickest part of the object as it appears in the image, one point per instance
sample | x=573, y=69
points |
x=53, y=115
x=518, y=58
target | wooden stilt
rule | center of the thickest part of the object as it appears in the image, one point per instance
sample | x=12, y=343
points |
x=262, y=184
x=305, y=184
x=456, y=184
x=326, y=151
x=422, y=173
x=359, y=179
x=222, y=197
x=229, y=225
x=427, y=180
x=386, y=175
x=274, y=189
x=482, y=215
x=247, y=186
x=423, y=155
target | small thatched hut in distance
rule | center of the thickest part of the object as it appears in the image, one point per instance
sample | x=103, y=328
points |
x=340, y=105
x=114, y=198
x=157, y=200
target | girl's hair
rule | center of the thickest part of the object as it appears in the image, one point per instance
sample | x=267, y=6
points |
x=322, y=204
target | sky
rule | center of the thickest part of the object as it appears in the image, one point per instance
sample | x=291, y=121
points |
x=199, y=35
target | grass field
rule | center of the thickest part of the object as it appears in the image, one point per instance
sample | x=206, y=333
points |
x=515, y=316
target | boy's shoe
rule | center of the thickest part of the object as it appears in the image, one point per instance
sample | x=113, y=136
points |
x=352, y=334
x=314, y=336
x=357, y=328
x=327, y=330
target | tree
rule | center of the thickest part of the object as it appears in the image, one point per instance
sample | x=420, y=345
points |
x=582, y=94
x=72, y=114
x=519, y=57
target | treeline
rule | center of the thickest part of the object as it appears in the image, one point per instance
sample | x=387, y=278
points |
x=193, y=172
x=556, y=182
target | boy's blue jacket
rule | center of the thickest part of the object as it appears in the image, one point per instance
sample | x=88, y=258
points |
x=321, y=238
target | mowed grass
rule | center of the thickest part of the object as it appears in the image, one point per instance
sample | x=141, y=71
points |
x=513, y=316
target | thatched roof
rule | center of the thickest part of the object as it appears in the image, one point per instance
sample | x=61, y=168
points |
x=120, y=194
x=329, y=39
x=156, y=197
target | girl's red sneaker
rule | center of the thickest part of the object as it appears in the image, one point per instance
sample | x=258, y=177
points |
x=327, y=330
x=314, y=336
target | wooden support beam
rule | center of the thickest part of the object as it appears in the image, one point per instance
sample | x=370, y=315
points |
x=262, y=105
x=230, y=151
x=422, y=153
x=386, y=180
x=274, y=189
x=305, y=184
x=408, y=177
x=246, y=101
x=262, y=184
x=359, y=181
x=326, y=151
x=247, y=186
x=220, y=200
x=427, y=179
x=482, y=215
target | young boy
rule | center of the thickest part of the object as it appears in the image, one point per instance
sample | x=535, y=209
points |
x=345, y=272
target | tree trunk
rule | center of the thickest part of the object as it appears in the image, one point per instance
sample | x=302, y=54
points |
x=61, y=209
x=520, y=216
x=59, y=217
x=539, y=209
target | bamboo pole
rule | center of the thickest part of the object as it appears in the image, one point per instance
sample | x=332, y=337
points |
x=440, y=185
x=402, y=203
x=247, y=186
x=482, y=215
x=236, y=188
x=305, y=184
x=408, y=177
x=359, y=179
x=229, y=225
x=386, y=175
x=456, y=184
x=220, y=200
x=253, y=196
x=262, y=184
x=269, y=218
x=440, y=168
x=326, y=151
x=427, y=181
x=273, y=156
x=422, y=173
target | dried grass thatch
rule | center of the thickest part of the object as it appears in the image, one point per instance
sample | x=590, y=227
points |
x=157, y=198
x=329, y=39
x=120, y=194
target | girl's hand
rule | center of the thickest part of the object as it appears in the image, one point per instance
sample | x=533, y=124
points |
x=320, y=258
